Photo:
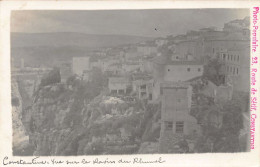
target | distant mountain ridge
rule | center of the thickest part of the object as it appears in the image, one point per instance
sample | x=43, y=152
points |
x=48, y=49
x=59, y=39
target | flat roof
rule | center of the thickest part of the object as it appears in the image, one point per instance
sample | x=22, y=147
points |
x=164, y=61
x=175, y=85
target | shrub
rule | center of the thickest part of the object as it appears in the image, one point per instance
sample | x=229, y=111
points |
x=51, y=78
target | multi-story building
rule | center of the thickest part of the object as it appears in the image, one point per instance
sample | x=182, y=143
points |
x=214, y=45
x=208, y=41
x=143, y=88
x=80, y=64
x=118, y=85
x=237, y=67
x=168, y=69
x=176, y=121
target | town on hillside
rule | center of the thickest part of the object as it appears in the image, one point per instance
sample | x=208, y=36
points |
x=187, y=93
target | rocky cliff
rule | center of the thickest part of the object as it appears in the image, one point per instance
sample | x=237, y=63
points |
x=78, y=118
x=20, y=138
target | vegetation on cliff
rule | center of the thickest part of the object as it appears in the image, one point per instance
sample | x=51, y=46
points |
x=77, y=118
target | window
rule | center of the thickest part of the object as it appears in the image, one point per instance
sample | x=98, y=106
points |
x=231, y=57
x=199, y=69
x=237, y=57
x=113, y=91
x=179, y=127
x=237, y=70
x=233, y=70
x=224, y=56
x=121, y=91
x=188, y=69
x=168, y=125
x=168, y=69
x=179, y=100
x=234, y=57
x=228, y=57
x=143, y=86
x=150, y=96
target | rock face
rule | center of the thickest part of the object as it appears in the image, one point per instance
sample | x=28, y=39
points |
x=78, y=120
x=20, y=138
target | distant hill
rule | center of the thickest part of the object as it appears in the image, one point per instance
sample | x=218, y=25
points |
x=59, y=39
x=49, y=49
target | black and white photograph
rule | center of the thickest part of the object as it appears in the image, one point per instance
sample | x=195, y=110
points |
x=124, y=82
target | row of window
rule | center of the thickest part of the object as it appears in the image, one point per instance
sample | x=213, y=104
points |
x=179, y=126
x=232, y=70
x=230, y=57
x=188, y=69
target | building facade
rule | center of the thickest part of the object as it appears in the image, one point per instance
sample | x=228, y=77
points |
x=236, y=62
x=165, y=69
x=80, y=64
x=176, y=121
x=118, y=85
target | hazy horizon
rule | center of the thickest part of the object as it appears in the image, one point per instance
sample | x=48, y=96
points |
x=123, y=22
x=81, y=33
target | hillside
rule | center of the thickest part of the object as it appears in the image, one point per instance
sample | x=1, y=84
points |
x=48, y=49
x=73, y=118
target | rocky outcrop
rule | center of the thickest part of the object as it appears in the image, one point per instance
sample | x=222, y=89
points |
x=81, y=120
x=20, y=139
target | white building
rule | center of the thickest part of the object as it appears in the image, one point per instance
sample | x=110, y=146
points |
x=118, y=85
x=167, y=70
x=80, y=64
x=175, y=115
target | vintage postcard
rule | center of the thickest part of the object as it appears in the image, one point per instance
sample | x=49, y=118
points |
x=129, y=83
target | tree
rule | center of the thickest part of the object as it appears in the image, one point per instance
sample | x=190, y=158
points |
x=214, y=71
x=51, y=78
x=226, y=137
x=232, y=120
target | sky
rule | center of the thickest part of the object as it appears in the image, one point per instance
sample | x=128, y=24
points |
x=123, y=22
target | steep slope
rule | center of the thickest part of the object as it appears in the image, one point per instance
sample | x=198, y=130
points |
x=78, y=118
x=20, y=138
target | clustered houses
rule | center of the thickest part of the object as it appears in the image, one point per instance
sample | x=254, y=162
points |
x=146, y=71
x=118, y=85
